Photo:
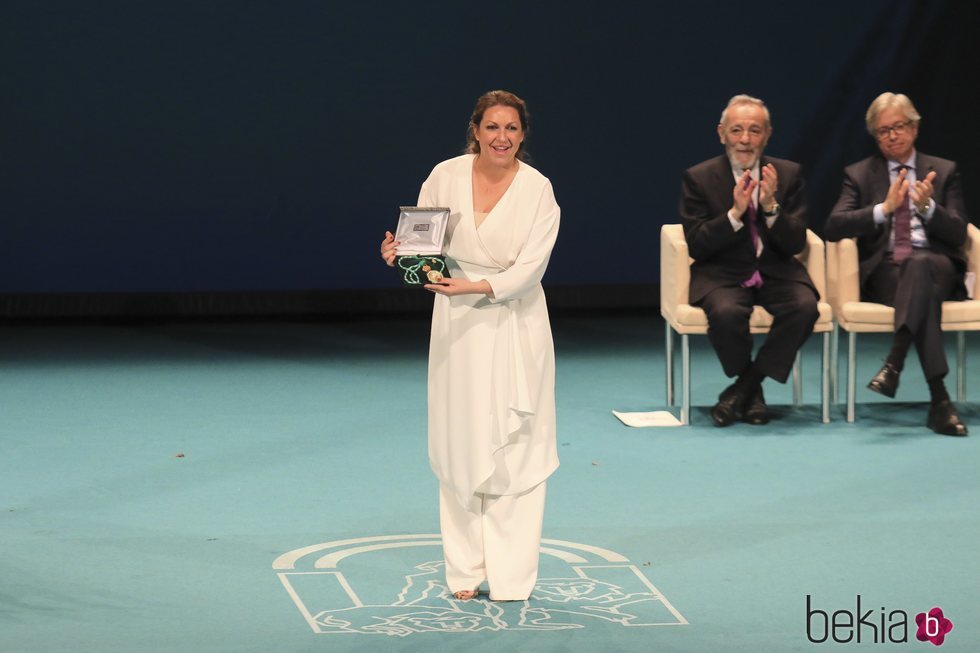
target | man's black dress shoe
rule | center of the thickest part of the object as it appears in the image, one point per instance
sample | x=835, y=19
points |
x=885, y=382
x=729, y=406
x=944, y=420
x=756, y=411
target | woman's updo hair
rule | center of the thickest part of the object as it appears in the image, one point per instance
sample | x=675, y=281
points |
x=493, y=99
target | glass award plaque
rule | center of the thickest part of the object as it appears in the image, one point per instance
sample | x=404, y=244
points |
x=420, y=232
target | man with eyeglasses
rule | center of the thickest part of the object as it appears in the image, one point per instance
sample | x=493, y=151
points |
x=906, y=210
x=744, y=218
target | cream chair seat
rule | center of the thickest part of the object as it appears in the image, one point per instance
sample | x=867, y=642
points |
x=854, y=316
x=687, y=320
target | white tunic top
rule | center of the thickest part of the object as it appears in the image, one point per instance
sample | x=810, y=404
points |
x=492, y=361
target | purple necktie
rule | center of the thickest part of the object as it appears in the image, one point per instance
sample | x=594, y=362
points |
x=755, y=281
x=902, y=229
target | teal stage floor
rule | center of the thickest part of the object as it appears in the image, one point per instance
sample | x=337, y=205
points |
x=263, y=487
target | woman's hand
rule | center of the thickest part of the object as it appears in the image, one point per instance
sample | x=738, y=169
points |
x=388, y=246
x=451, y=286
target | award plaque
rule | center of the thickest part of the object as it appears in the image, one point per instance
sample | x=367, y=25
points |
x=419, y=258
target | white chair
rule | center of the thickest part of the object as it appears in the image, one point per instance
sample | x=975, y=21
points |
x=687, y=320
x=854, y=316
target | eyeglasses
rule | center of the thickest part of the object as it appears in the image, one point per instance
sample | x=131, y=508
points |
x=899, y=128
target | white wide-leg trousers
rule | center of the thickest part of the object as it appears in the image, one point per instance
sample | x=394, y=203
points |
x=497, y=540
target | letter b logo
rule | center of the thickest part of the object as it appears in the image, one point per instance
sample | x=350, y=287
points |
x=933, y=626
x=822, y=624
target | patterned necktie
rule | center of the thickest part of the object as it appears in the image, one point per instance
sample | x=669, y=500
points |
x=902, y=228
x=755, y=281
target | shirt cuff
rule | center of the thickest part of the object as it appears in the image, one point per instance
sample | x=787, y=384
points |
x=736, y=224
x=879, y=214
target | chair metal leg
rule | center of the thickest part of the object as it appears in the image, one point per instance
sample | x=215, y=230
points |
x=961, y=366
x=685, y=379
x=825, y=380
x=797, y=379
x=834, y=354
x=669, y=359
x=851, y=373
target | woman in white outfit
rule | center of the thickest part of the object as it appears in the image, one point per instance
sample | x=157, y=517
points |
x=492, y=441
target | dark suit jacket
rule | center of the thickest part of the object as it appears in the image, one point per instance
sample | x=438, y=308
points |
x=725, y=257
x=866, y=184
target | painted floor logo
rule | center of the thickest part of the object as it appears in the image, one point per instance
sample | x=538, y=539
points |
x=395, y=585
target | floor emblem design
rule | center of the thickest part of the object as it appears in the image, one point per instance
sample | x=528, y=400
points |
x=340, y=587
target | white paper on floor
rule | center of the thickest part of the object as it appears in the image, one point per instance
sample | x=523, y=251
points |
x=655, y=418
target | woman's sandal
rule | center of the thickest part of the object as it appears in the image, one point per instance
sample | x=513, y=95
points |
x=466, y=595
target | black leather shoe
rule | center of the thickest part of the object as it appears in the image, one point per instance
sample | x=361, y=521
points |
x=756, y=411
x=885, y=382
x=944, y=420
x=729, y=406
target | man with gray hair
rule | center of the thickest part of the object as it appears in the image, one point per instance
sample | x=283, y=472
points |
x=906, y=210
x=744, y=218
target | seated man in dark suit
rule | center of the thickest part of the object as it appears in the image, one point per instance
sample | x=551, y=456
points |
x=906, y=210
x=745, y=220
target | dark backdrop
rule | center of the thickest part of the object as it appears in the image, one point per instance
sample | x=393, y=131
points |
x=233, y=155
